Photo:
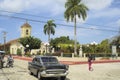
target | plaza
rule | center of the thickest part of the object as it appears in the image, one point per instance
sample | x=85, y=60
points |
x=102, y=71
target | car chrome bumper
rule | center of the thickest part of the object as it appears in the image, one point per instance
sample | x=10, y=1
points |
x=44, y=74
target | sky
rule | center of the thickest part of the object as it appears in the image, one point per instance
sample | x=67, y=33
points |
x=102, y=21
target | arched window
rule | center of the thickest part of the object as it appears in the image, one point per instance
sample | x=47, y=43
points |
x=27, y=32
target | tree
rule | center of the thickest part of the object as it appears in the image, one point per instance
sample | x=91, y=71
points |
x=19, y=52
x=105, y=46
x=61, y=40
x=49, y=28
x=74, y=9
x=34, y=43
x=63, y=43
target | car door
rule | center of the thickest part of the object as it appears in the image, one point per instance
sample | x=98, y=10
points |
x=36, y=65
x=33, y=64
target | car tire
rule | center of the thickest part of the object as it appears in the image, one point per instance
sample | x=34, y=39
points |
x=30, y=72
x=39, y=76
x=63, y=78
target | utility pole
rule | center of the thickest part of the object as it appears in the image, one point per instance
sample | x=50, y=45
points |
x=119, y=32
x=4, y=36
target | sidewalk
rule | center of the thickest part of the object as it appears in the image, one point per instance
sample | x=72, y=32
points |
x=73, y=61
x=78, y=60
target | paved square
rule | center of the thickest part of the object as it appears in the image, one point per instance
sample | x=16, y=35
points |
x=105, y=71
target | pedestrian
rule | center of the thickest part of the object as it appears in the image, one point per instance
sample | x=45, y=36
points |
x=90, y=62
x=10, y=57
x=10, y=61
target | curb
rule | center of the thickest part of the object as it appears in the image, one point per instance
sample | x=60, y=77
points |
x=70, y=62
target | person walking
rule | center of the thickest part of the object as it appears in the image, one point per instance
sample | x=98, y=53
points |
x=10, y=61
x=90, y=62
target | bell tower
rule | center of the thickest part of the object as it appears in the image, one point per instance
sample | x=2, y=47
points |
x=25, y=30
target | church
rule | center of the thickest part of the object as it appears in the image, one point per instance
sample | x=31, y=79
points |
x=13, y=45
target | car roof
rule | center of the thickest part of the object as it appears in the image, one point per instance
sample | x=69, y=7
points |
x=44, y=56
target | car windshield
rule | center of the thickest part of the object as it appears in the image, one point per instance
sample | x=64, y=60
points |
x=49, y=60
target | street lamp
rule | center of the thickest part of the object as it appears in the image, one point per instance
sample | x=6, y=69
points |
x=26, y=48
x=94, y=44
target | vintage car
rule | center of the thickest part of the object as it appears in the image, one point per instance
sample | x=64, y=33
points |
x=2, y=54
x=47, y=66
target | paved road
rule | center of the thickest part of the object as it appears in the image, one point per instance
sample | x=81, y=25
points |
x=106, y=71
x=16, y=73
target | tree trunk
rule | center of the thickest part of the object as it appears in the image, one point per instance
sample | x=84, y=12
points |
x=75, y=42
x=49, y=41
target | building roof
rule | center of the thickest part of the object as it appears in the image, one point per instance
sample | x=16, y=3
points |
x=26, y=25
x=12, y=41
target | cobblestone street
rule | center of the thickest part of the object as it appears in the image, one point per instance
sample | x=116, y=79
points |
x=105, y=71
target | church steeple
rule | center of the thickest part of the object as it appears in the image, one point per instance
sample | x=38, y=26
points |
x=26, y=30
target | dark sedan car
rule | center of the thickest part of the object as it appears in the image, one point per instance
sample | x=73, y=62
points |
x=47, y=66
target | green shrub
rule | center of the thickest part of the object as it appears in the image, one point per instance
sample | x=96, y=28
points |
x=28, y=54
x=67, y=55
x=102, y=55
x=38, y=53
x=105, y=58
x=56, y=54
x=19, y=52
x=7, y=52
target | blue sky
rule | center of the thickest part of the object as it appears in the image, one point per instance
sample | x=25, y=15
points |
x=102, y=14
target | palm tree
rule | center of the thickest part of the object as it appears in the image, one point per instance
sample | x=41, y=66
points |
x=49, y=29
x=74, y=9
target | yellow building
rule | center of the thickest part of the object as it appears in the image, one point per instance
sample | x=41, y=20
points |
x=25, y=30
x=14, y=45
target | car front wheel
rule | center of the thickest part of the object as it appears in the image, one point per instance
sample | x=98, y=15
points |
x=39, y=76
x=63, y=77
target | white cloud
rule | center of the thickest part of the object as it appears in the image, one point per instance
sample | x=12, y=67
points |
x=107, y=13
x=102, y=9
x=97, y=4
x=113, y=25
x=64, y=31
x=54, y=6
x=81, y=21
x=2, y=29
x=57, y=9
x=118, y=22
x=12, y=5
x=90, y=31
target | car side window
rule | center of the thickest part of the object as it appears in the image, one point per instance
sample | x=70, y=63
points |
x=38, y=60
x=34, y=60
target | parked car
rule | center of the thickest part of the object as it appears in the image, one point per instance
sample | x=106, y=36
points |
x=47, y=66
x=2, y=54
